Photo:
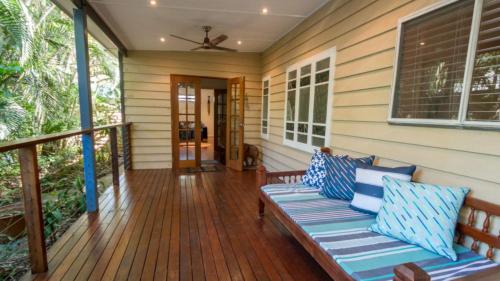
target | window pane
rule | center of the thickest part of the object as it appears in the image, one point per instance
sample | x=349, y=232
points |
x=290, y=109
x=266, y=84
x=305, y=70
x=265, y=107
x=319, y=130
x=322, y=77
x=302, y=138
x=266, y=92
x=264, y=130
x=305, y=81
x=323, y=64
x=290, y=126
x=433, y=51
x=292, y=84
x=484, y=100
x=304, y=105
x=318, y=141
x=292, y=74
x=320, y=103
x=289, y=136
x=302, y=128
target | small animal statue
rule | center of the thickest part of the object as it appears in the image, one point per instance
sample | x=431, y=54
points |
x=250, y=152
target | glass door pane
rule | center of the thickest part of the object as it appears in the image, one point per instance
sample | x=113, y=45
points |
x=235, y=118
x=186, y=99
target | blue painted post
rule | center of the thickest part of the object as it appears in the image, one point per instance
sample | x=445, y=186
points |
x=85, y=96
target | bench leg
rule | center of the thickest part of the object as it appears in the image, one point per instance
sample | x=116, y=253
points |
x=261, y=208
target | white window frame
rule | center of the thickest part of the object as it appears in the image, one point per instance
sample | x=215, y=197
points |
x=268, y=79
x=332, y=54
x=461, y=121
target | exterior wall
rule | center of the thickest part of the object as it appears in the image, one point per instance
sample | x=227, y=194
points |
x=364, y=33
x=147, y=97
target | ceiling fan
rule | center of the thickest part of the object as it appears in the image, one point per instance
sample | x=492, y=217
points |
x=208, y=44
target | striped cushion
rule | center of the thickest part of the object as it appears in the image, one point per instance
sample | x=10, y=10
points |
x=369, y=189
x=364, y=255
x=341, y=175
x=420, y=214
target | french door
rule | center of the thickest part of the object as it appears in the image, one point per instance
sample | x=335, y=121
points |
x=186, y=121
x=235, y=122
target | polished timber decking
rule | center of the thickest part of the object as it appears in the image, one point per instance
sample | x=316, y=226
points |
x=163, y=226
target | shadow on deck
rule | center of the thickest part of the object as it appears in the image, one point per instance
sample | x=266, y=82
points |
x=164, y=226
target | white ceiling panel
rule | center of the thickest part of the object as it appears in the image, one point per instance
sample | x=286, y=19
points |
x=140, y=25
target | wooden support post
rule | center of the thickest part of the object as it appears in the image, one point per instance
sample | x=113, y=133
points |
x=86, y=120
x=115, y=168
x=33, y=208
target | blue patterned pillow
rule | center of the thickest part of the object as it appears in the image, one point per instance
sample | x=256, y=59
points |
x=341, y=176
x=316, y=173
x=420, y=214
x=369, y=188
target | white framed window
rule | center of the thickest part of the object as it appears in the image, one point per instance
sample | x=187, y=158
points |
x=266, y=95
x=308, y=103
x=448, y=66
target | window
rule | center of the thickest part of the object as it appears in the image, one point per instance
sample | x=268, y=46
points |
x=448, y=66
x=309, y=91
x=264, y=123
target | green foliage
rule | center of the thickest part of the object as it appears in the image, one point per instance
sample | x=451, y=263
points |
x=39, y=95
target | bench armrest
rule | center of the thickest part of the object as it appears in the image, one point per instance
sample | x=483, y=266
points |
x=264, y=177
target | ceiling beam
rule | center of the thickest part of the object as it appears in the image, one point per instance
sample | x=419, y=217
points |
x=96, y=18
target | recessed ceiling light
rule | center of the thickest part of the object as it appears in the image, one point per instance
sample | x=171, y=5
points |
x=239, y=42
x=264, y=11
x=422, y=43
x=162, y=39
x=152, y=2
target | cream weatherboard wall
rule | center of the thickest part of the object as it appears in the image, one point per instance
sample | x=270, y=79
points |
x=147, y=97
x=364, y=33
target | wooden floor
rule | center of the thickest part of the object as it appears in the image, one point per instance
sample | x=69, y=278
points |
x=163, y=226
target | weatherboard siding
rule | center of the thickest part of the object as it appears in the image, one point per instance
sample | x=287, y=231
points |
x=364, y=33
x=147, y=97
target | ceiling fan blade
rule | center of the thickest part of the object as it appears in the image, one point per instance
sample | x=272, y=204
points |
x=197, y=48
x=223, y=49
x=218, y=39
x=182, y=38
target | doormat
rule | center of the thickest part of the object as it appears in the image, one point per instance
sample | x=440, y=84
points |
x=202, y=169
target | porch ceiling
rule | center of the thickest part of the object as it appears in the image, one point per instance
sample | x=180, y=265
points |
x=139, y=25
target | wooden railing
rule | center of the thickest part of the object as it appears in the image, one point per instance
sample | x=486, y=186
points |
x=28, y=162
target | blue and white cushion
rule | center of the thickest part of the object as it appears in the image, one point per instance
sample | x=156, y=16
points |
x=420, y=214
x=316, y=173
x=341, y=175
x=369, y=189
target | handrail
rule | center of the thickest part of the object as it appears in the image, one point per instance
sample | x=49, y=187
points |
x=28, y=162
x=16, y=144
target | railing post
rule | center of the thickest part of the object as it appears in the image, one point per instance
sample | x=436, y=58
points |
x=33, y=208
x=113, y=136
x=129, y=146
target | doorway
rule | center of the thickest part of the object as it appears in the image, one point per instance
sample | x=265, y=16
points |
x=207, y=126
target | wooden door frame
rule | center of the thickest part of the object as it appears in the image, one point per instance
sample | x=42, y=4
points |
x=174, y=105
x=174, y=115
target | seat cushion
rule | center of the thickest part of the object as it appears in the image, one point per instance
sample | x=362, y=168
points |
x=343, y=233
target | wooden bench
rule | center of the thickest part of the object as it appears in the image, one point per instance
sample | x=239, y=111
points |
x=403, y=272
